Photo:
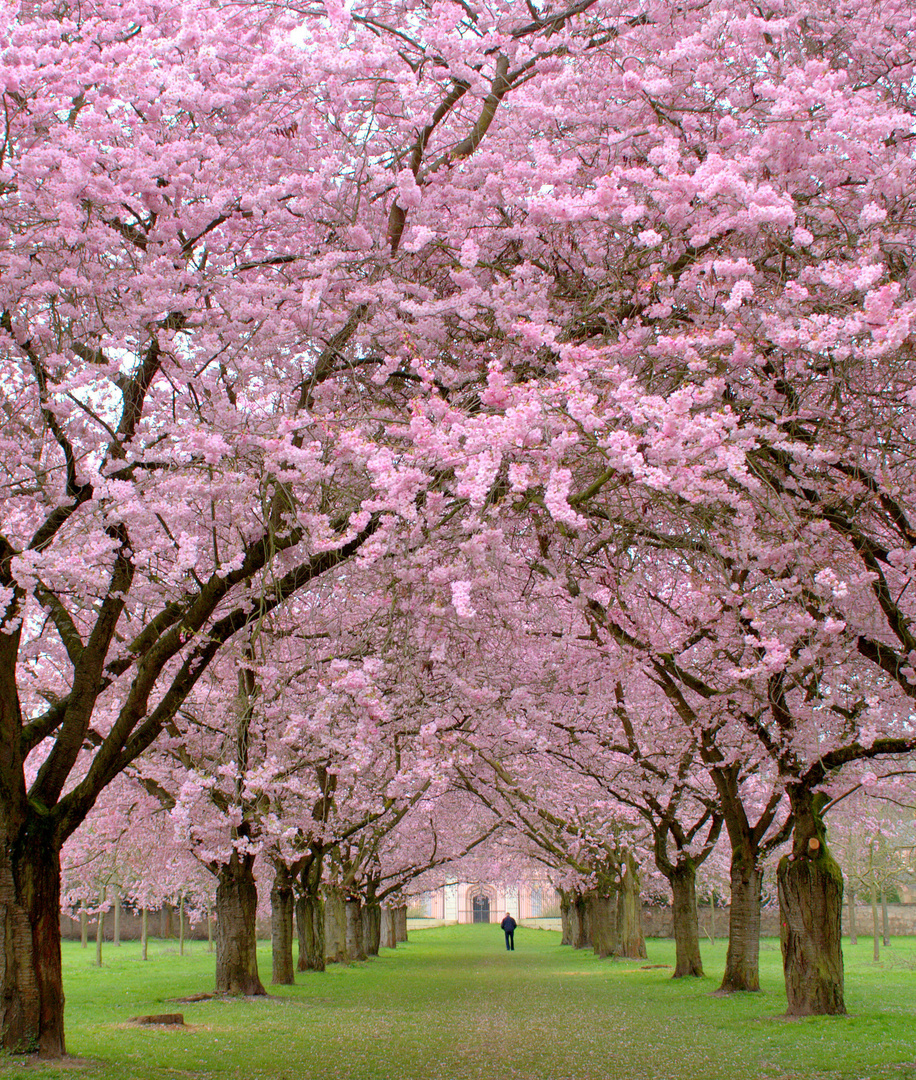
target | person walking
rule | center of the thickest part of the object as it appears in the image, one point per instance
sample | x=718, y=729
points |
x=509, y=924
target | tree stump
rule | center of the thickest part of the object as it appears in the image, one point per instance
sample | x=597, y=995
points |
x=159, y=1018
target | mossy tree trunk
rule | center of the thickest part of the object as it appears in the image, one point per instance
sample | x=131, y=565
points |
x=310, y=928
x=310, y=913
x=749, y=845
x=372, y=928
x=31, y=980
x=281, y=926
x=565, y=927
x=372, y=919
x=677, y=855
x=388, y=930
x=335, y=927
x=810, y=904
x=236, y=930
x=602, y=905
x=353, y=932
x=631, y=942
x=683, y=881
x=742, y=960
x=580, y=931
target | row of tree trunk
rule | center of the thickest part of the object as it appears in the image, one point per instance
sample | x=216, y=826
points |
x=330, y=925
x=810, y=886
x=607, y=919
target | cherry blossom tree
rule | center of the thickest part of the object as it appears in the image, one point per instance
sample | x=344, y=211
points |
x=272, y=281
x=737, y=253
x=168, y=474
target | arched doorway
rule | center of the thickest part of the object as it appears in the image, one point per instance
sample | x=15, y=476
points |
x=481, y=909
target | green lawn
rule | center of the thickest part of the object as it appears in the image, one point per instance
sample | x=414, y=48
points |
x=452, y=1004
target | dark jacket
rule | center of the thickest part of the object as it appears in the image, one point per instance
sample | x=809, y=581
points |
x=508, y=924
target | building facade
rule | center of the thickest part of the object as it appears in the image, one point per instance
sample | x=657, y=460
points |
x=485, y=902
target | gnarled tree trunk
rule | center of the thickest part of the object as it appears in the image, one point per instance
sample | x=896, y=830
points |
x=602, y=918
x=310, y=913
x=31, y=982
x=281, y=927
x=335, y=927
x=389, y=929
x=372, y=928
x=742, y=961
x=353, y=920
x=631, y=942
x=810, y=904
x=402, y=922
x=565, y=925
x=310, y=927
x=683, y=880
x=580, y=935
x=236, y=930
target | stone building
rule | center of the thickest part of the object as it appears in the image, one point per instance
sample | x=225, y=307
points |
x=488, y=902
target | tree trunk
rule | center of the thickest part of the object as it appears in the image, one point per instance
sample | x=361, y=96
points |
x=876, y=950
x=389, y=930
x=335, y=928
x=572, y=922
x=281, y=927
x=631, y=942
x=742, y=961
x=353, y=922
x=885, y=921
x=810, y=902
x=310, y=927
x=236, y=931
x=748, y=844
x=565, y=926
x=683, y=883
x=31, y=983
x=116, y=936
x=84, y=930
x=402, y=922
x=372, y=928
x=853, y=936
x=602, y=918
x=100, y=933
x=580, y=931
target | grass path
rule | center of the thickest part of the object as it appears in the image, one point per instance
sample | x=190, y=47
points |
x=454, y=1005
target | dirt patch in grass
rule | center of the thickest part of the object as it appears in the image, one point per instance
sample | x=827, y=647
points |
x=33, y=1063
